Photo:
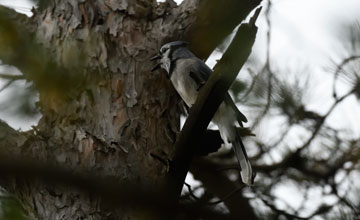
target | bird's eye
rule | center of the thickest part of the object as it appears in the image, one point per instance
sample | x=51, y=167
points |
x=164, y=49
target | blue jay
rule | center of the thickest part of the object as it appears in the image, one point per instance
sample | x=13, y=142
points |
x=188, y=74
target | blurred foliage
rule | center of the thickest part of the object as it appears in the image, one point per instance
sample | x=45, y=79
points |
x=35, y=65
x=10, y=209
x=19, y=48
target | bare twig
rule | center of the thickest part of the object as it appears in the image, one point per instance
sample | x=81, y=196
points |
x=7, y=85
x=267, y=67
x=219, y=184
x=255, y=78
x=281, y=212
x=295, y=156
x=232, y=193
x=11, y=76
x=339, y=68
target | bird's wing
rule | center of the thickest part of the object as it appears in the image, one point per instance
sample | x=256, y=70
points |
x=201, y=74
x=240, y=116
x=204, y=70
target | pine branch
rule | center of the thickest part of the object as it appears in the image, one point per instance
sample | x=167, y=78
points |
x=209, y=99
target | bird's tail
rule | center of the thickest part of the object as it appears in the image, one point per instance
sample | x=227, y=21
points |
x=224, y=118
x=246, y=172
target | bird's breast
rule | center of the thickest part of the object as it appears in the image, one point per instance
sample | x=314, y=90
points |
x=183, y=83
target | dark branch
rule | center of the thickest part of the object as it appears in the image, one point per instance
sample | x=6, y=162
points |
x=211, y=141
x=18, y=18
x=10, y=140
x=219, y=184
x=206, y=105
x=126, y=195
x=215, y=21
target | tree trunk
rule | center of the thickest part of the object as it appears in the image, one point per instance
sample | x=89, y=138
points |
x=114, y=123
x=121, y=120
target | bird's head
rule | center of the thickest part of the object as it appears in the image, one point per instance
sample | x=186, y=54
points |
x=170, y=52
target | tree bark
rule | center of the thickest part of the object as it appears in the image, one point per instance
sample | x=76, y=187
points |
x=113, y=120
x=110, y=126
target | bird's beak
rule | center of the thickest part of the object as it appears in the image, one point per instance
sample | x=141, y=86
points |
x=155, y=57
x=157, y=65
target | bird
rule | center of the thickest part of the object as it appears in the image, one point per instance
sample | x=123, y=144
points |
x=188, y=74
